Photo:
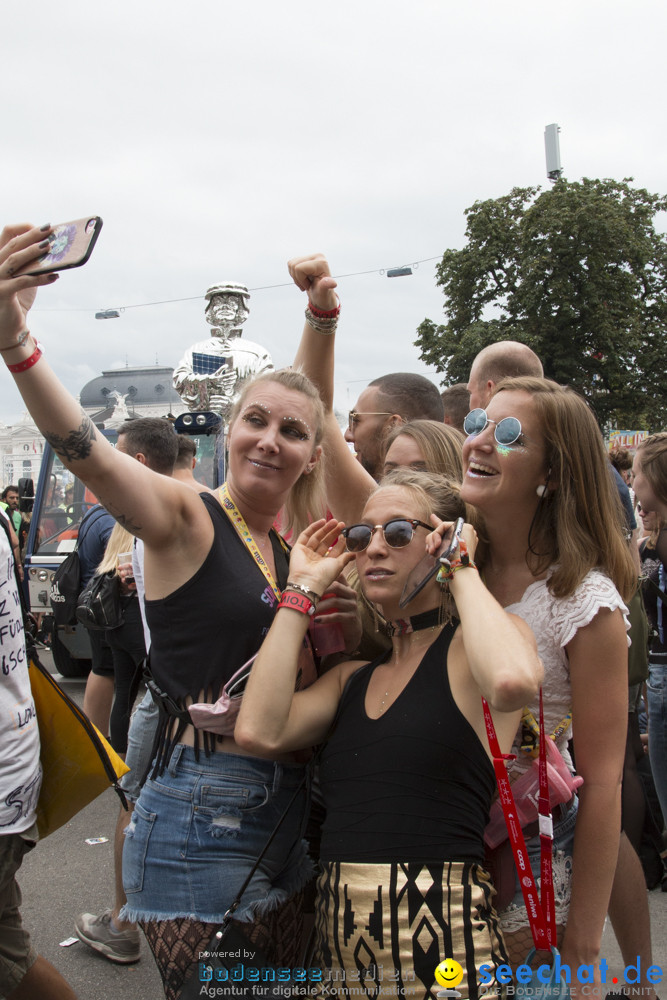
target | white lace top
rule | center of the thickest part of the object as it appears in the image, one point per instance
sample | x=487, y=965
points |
x=555, y=621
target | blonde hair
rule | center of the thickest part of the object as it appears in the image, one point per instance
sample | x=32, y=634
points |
x=652, y=454
x=441, y=445
x=120, y=540
x=579, y=525
x=435, y=493
x=306, y=500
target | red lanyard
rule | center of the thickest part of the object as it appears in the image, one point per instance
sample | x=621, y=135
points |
x=542, y=915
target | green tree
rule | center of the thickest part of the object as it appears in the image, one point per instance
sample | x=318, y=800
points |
x=578, y=273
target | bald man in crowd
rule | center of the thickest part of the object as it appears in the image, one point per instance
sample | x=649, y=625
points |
x=506, y=359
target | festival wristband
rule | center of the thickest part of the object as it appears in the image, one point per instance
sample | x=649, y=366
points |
x=297, y=602
x=324, y=313
x=23, y=366
x=463, y=562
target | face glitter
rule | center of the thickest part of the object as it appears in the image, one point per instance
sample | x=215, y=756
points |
x=298, y=422
x=301, y=425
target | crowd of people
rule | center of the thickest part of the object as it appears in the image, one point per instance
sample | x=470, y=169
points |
x=511, y=476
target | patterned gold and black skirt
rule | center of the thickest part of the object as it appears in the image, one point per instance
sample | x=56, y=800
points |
x=383, y=929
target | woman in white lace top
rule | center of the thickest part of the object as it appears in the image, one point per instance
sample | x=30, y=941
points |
x=537, y=470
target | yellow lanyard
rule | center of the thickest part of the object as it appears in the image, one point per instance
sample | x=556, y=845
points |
x=244, y=533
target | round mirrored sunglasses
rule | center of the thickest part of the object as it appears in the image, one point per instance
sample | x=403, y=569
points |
x=397, y=533
x=506, y=431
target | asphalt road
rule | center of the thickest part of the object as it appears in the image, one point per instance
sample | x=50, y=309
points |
x=64, y=876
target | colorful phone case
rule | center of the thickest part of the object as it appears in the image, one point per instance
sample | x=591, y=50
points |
x=71, y=244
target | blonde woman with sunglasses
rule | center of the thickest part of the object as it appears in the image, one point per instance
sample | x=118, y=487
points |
x=406, y=773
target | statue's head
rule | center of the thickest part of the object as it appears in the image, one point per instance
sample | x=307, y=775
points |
x=227, y=306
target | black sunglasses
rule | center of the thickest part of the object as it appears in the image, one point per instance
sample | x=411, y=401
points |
x=397, y=533
x=507, y=431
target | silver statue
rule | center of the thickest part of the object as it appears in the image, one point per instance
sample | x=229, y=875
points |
x=211, y=373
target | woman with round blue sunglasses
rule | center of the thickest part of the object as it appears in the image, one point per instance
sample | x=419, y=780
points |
x=555, y=554
x=506, y=431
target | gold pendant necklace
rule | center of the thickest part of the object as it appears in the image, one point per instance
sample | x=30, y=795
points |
x=417, y=641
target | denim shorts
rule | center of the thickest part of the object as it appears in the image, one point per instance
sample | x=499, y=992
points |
x=197, y=830
x=140, y=737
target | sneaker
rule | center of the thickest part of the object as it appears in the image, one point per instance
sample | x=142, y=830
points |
x=118, y=946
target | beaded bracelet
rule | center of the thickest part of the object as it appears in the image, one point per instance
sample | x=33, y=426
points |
x=326, y=326
x=310, y=594
x=23, y=366
x=22, y=339
x=297, y=602
x=324, y=313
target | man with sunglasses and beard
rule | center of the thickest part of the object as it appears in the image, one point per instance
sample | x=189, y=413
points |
x=386, y=403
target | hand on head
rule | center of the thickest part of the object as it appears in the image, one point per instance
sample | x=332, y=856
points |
x=312, y=274
x=319, y=557
x=19, y=246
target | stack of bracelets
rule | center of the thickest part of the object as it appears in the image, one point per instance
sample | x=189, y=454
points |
x=446, y=572
x=299, y=598
x=23, y=366
x=323, y=320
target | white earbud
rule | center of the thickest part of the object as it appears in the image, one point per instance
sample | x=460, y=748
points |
x=541, y=490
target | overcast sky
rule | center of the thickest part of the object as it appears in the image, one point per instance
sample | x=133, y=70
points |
x=217, y=140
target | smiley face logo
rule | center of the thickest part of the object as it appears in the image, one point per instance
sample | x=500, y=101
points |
x=449, y=973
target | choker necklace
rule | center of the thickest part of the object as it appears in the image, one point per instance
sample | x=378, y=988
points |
x=427, y=619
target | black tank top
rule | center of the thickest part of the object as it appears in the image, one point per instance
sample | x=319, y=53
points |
x=415, y=784
x=211, y=625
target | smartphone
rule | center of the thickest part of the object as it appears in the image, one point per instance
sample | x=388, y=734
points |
x=445, y=554
x=70, y=245
x=427, y=568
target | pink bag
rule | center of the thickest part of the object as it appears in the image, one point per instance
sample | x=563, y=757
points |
x=562, y=786
x=220, y=717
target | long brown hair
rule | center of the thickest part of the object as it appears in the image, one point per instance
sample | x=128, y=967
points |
x=579, y=524
x=652, y=454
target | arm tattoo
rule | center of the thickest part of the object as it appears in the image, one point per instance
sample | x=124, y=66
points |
x=77, y=445
x=125, y=521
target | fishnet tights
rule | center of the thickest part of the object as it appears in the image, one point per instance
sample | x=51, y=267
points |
x=520, y=942
x=177, y=944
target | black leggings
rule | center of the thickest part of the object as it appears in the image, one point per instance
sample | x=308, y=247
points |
x=633, y=798
x=128, y=652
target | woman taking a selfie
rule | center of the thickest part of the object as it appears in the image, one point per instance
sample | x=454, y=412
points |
x=406, y=774
x=214, y=572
